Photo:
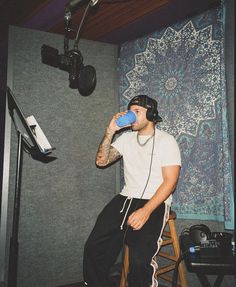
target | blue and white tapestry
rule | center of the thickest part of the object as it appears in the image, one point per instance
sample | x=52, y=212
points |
x=182, y=67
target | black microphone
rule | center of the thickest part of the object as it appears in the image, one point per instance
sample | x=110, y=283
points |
x=72, y=5
x=76, y=64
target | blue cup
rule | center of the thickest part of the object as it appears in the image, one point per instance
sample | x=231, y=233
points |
x=127, y=119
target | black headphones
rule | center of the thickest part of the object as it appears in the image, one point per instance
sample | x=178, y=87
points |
x=148, y=103
x=198, y=233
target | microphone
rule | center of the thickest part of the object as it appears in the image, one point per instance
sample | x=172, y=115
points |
x=76, y=64
x=72, y=5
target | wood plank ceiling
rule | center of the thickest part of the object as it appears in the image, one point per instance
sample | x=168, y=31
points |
x=105, y=17
x=112, y=21
x=108, y=17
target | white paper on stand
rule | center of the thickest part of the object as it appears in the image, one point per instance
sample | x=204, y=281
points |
x=39, y=135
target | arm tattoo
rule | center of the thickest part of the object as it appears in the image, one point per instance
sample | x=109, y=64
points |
x=106, y=154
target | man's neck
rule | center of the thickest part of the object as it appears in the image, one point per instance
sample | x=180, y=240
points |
x=148, y=130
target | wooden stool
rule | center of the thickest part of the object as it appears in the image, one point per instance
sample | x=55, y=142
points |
x=169, y=237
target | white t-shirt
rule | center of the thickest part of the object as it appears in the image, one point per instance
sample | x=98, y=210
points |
x=137, y=161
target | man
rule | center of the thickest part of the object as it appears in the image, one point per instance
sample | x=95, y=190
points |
x=137, y=216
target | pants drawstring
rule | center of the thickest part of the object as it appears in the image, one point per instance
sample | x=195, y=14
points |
x=127, y=210
x=123, y=207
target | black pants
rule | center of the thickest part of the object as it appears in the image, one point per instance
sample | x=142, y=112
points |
x=106, y=240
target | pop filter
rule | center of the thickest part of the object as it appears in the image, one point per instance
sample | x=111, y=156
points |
x=87, y=80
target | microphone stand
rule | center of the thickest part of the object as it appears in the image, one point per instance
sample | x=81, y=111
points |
x=37, y=154
x=14, y=245
x=67, y=22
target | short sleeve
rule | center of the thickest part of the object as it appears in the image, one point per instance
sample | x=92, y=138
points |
x=118, y=144
x=170, y=153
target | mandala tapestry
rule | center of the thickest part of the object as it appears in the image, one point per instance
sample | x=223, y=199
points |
x=182, y=67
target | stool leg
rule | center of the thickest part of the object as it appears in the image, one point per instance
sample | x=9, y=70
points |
x=125, y=269
x=177, y=252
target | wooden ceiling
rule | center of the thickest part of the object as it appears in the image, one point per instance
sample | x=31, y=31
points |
x=113, y=21
x=108, y=17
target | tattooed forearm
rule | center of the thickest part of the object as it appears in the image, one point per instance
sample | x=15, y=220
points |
x=106, y=154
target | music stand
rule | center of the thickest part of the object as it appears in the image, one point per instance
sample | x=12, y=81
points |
x=29, y=142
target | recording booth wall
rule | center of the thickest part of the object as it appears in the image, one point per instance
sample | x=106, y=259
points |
x=60, y=200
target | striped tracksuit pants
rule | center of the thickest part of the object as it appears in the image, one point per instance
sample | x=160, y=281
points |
x=108, y=236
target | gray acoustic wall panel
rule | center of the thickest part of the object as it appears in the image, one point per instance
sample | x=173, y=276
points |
x=60, y=200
